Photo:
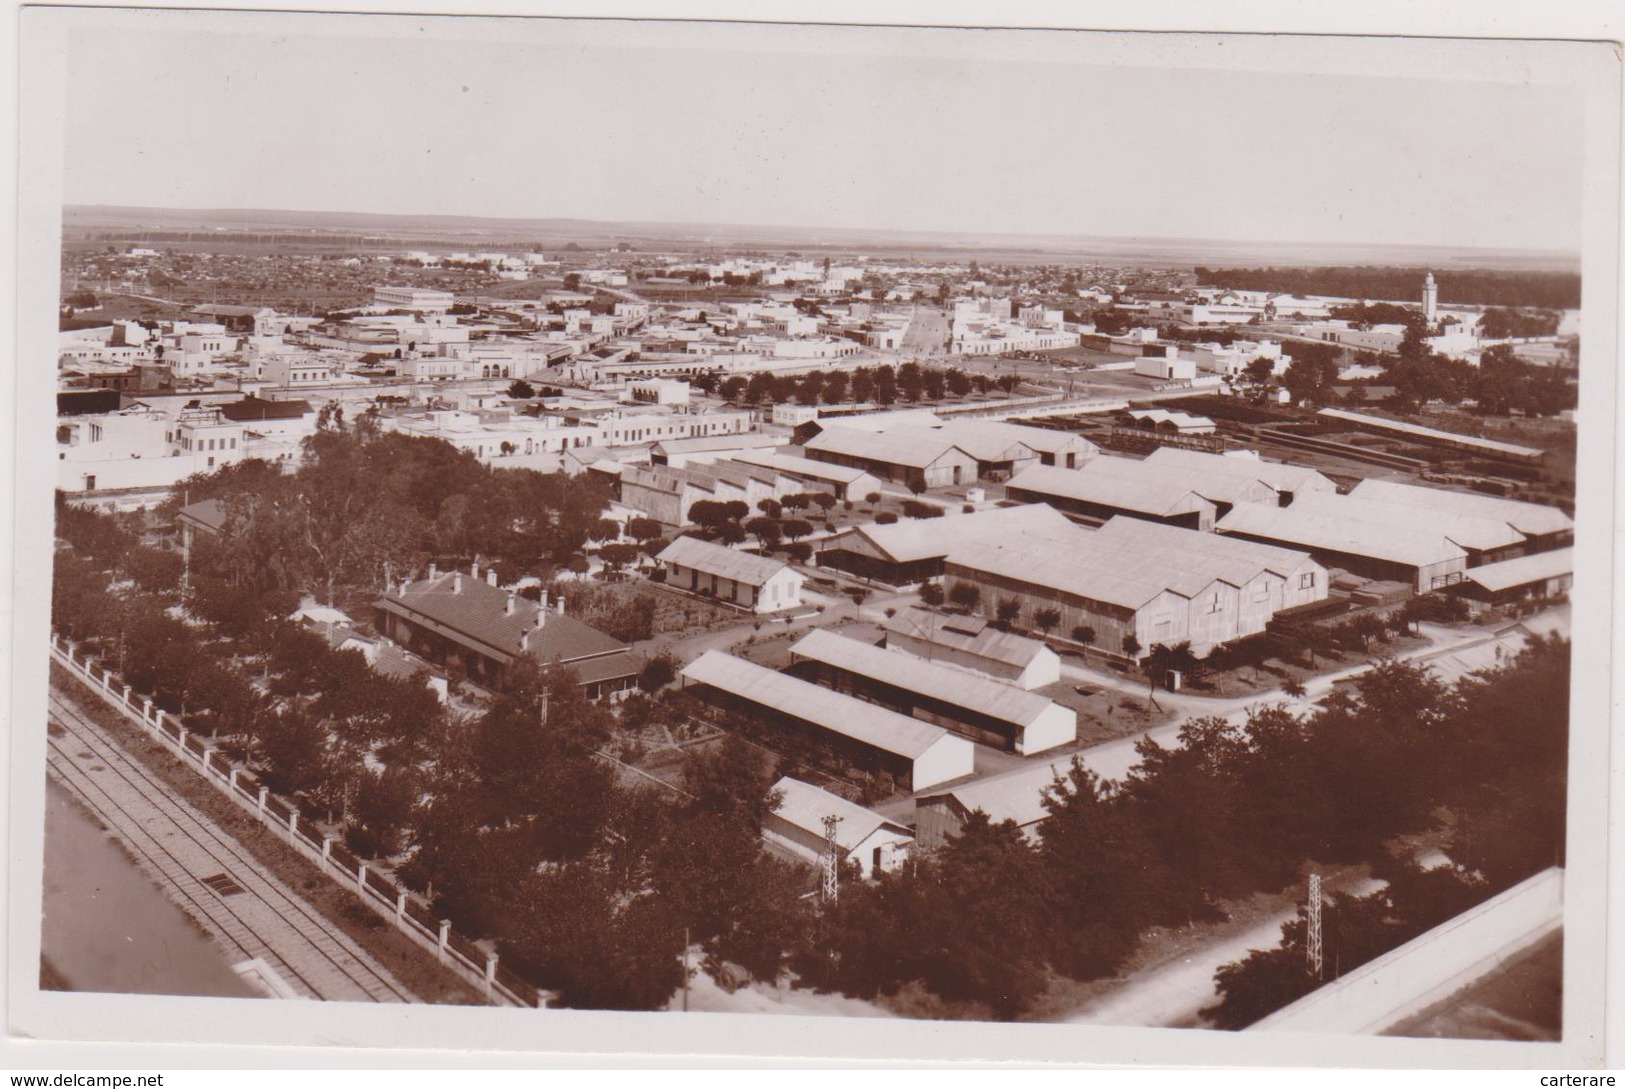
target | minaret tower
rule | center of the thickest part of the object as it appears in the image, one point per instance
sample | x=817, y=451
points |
x=1430, y=300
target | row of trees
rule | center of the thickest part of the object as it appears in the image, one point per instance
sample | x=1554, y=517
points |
x=884, y=385
x=1231, y=810
x=1501, y=792
x=1501, y=383
x=1552, y=290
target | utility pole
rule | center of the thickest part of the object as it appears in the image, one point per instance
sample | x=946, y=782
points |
x=186, y=551
x=1316, y=961
x=685, y=969
x=832, y=861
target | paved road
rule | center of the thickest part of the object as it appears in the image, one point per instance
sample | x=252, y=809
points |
x=928, y=328
x=1173, y=994
x=254, y=916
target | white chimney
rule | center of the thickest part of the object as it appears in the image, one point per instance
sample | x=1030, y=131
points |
x=457, y=583
x=544, y=601
x=561, y=604
x=524, y=641
x=490, y=576
x=507, y=610
x=432, y=572
x=474, y=570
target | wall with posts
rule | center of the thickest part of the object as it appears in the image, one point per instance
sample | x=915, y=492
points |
x=389, y=899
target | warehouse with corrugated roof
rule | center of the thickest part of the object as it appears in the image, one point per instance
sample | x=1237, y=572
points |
x=1134, y=585
x=918, y=457
x=917, y=754
x=1538, y=575
x=1543, y=527
x=911, y=551
x=1415, y=552
x=1109, y=486
x=1228, y=479
x=841, y=481
x=979, y=708
x=1485, y=540
x=970, y=642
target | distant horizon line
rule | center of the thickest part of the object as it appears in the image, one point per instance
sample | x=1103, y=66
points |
x=702, y=226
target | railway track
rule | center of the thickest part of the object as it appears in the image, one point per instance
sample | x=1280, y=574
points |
x=216, y=880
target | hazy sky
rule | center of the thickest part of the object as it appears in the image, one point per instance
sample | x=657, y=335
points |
x=969, y=131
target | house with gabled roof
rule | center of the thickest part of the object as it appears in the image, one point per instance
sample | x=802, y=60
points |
x=731, y=575
x=458, y=620
x=796, y=828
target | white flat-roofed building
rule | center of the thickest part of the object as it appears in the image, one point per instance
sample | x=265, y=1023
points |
x=1232, y=359
x=796, y=827
x=1378, y=338
x=413, y=298
x=971, y=643
x=1544, y=527
x=1108, y=486
x=144, y=449
x=757, y=583
x=791, y=414
x=658, y=391
x=1159, y=584
x=1165, y=367
x=916, y=753
x=635, y=426
x=296, y=370
x=980, y=708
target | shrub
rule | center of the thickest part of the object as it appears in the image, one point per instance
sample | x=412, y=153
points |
x=913, y=508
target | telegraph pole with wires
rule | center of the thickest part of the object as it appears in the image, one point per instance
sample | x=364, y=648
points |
x=186, y=551
x=832, y=861
x=1316, y=958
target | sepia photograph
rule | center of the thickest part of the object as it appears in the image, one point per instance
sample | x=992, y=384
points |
x=787, y=538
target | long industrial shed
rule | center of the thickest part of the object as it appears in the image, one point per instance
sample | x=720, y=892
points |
x=916, y=753
x=978, y=707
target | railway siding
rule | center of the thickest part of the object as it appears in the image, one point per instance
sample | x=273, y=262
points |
x=249, y=912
